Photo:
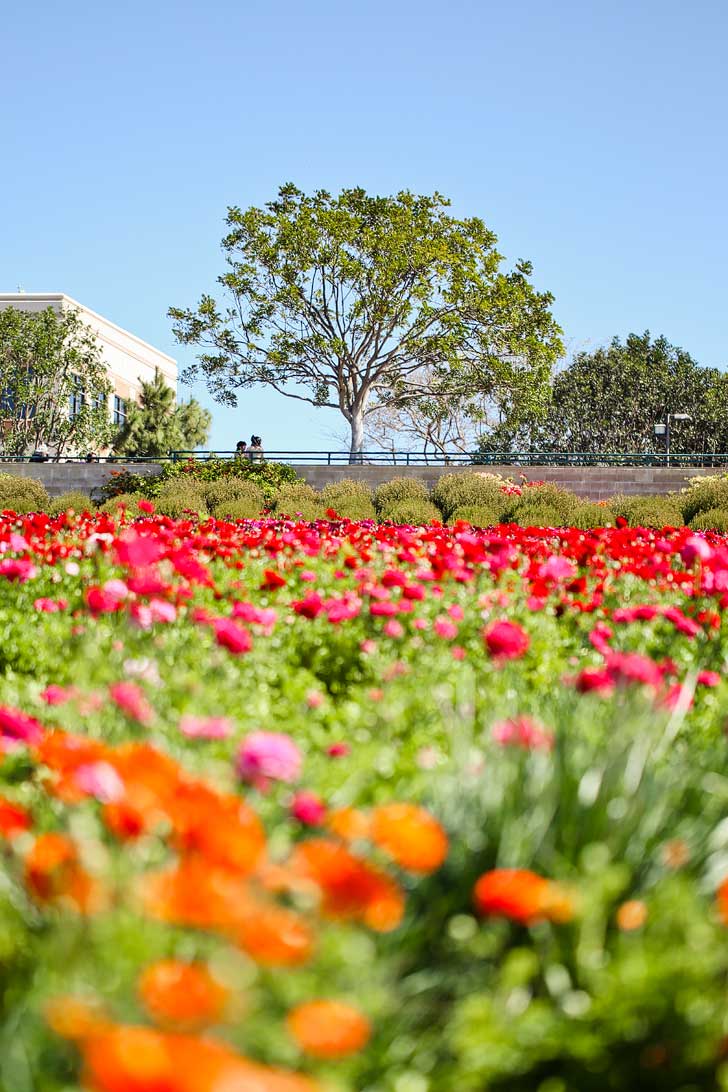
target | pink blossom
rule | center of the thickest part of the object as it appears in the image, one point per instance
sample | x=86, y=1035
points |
x=314, y=699
x=101, y=780
x=368, y=646
x=131, y=699
x=338, y=750
x=458, y=652
x=205, y=727
x=310, y=606
x=232, y=636
x=17, y=727
x=50, y=606
x=695, y=548
x=58, y=695
x=708, y=678
x=268, y=756
x=393, y=628
x=444, y=628
x=456, y=612
x=136, y=551
x=506, y=640
x=308, y=808
x=420, y=623
x=557, y=568
x=17, y=569
x=523, y=732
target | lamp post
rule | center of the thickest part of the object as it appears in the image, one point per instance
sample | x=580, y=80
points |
x=662, y=428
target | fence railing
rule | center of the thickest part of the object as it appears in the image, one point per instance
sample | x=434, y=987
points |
x=416, y=458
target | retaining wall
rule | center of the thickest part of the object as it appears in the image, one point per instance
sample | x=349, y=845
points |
x=595, y=482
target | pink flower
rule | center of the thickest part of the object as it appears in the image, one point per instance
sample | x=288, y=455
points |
x=131, y=699
x=523, y=732
x=444, y=628
x=368, y=646
x=57, y=695
x=17, y=569
x=420, y=623
x=596, y=680
x=308, y=808
x=145, y=506
x=136, y=551
x=456, y=612
x=314, y=699
x=205, y=727
x=506, y=640
x=458, y=652
x=50, y=606
x=310, y=606
x=338, y=750
x=268, y=756
x=101, y=780
x=231, y=636
x=162, y=611
x=393, y=628
x=101, y=601
x=557, y=569
x=695, y=549
x=17, y=727
x=708, y=678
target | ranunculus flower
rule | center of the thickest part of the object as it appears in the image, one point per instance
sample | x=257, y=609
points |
x=205, y=727
x=308, y=808
x=268, y=756
x=101, y=780
x=523, y=732
x=506, y=640
x=232, y=636
x=338, y=750
x=17, y=727
x=131, y=699
x=18, y=569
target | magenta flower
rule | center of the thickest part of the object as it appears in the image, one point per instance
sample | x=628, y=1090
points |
x=205, y=727
x=308, y=808
x=268, y=756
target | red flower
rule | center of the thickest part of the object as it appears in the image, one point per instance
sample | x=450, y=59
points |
x=506, y=640
x=232, y=636
x=131, y=699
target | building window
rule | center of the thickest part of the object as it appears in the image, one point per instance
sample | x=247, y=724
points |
x=119, y=410
x=100, y=402
x=77, y=398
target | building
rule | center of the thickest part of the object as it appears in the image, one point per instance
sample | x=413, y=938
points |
x=130, y=361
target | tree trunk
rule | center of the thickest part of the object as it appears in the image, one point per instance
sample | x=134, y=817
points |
x=357, y=436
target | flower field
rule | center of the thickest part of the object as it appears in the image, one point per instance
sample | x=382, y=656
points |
x=294, y=806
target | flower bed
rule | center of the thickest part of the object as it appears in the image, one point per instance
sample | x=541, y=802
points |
x=290, y=806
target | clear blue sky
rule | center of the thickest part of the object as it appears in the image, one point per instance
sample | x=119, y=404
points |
x=590, y=138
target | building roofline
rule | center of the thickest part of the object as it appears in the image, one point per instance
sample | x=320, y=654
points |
x=61, y=297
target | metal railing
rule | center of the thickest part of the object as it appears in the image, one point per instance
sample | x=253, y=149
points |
x=415, y=458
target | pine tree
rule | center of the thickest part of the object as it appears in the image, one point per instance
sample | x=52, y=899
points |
x=156, y=425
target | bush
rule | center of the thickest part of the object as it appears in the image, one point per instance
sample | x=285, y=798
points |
x=470, y=489
x=301, y=500
x=410, y=512
x=243, y=507
x=223, y=492
x=655, y=512
x=399, y=489
x=544, y=495
x=79, y=502
x=479, y=515
x=588, y=515
x=704, y=495
x=349, y=498
x=715, y=519
x=538, y=514
x=22, y=495
x=269, y=477
x=128, y=501
x=180, y=499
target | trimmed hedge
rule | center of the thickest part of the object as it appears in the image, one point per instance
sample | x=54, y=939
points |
x=471, y=489
x=589, y=515
x=75, y=500
x=22, y=495
x=350, y=499
x=411, y=512
x=222, y=493
x=714, y=519
x=400, y=489
x=299, y=500
x=705, y=495
x=179, y=499
x=479, y=515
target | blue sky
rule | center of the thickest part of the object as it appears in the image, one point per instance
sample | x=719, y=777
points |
x=587, y=136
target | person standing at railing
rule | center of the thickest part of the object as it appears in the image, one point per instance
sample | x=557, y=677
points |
x=240, y=449
x=255, y=451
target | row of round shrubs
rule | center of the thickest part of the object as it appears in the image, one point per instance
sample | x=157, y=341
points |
x=479, y=498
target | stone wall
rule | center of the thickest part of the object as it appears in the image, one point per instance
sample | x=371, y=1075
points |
x=595, y=482
x=63, y=477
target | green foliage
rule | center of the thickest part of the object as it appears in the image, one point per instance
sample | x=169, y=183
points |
x=299, y=499
x=589, y=515
x=712, y=519
x=156, y=425
x=655, y=512
x=547, y=495
x=609, y=400
x=348, y=297
x=410, y=511
x=244, y=506
x=22, y=495
x=399, y=489
x=225, y=490
x=128, y=501
x=480, y=515
x=79, y=502
x=179, y=498
x=536, y=513
x=350, y=498
x=704, y=494
x=47, y=358
x=469, y=488
x=269, y=477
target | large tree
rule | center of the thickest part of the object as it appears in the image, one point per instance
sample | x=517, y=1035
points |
x=343, y=301
x=156, y=424
x=609, y=400
x=54, y=385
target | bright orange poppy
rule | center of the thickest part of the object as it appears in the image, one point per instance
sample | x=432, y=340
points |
x=350, y=887
x=182, y=995
x=410, y=835
x=328, y=1029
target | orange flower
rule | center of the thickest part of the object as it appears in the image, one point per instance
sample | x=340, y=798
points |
x=53, y=873
x=75, y=1018
x=631, y=915
x=274, y=936
x=197, y=894
x=64, y=753
x=522, y=896
x=221, y=827
x=328, y=1029
x=136, y=1059
x=410, y=835
x=348, y=824
x=13, y=818
x=722, y=897
x=181, y=994
x=350, y=887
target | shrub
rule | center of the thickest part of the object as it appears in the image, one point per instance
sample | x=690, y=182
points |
x=128, y=501
x=655, y=512
x=705, y=494
x=349, y=498
x=588, y=515
x=79, y=502
x=179, y=499
x=479, y=515
x=22, y=495
x=469, y=489
x=269, y=477
x=411, y=511
x=399, y=489
x=222, y=492
x=714, y=519
x=544, y=495
x=243, y=507
x=538, y=514
x=299, y=499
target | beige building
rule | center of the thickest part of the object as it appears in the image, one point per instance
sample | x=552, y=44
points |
x=129, y=359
